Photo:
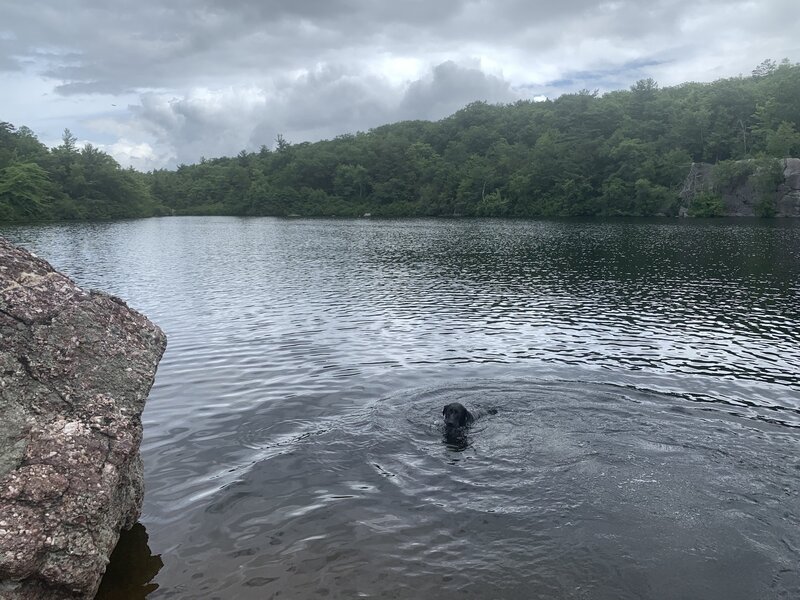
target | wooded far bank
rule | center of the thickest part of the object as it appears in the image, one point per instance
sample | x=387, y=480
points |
x=623, y=153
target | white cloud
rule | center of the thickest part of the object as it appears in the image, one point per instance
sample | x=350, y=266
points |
x=319, y=103
x=141, y=156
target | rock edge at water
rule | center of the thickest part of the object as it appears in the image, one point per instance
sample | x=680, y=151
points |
x=75, y=371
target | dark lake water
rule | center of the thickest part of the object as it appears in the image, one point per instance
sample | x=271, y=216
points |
x=645, y=374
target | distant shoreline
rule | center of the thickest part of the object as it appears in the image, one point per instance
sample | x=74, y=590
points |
x=624, y=153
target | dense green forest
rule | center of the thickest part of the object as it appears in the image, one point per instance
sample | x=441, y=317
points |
x=620, y=153
x=37, y=183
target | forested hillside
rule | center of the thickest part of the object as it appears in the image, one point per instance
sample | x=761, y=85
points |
x=622, y=153
x=37, y=183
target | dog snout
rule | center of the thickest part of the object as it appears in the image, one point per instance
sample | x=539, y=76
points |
x=451, y=420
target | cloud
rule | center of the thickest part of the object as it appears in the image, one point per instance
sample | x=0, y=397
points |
x=8, y=62
x=152, y=44
x=141, y=156
x=209, y=77
x=202, y=123
x=450, y=87
x=322, y=103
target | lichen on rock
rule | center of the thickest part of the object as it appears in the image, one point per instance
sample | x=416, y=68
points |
x=75, y=370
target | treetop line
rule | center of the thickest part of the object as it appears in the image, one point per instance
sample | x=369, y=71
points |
x=625, y=152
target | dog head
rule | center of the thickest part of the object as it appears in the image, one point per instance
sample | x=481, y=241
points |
x=456, y=415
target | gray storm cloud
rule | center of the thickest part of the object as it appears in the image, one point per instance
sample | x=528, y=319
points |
x=317, y=105
x=449, y=88
x=159, y=83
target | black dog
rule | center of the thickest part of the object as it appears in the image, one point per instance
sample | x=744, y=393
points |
x=456, y=416
x=457, y=420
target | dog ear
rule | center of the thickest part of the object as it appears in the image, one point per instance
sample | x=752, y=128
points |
x=444, y=411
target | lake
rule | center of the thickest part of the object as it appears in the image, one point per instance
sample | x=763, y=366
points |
x=645, y=376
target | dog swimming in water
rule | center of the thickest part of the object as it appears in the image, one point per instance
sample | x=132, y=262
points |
x=457, y=422
x=456, y=416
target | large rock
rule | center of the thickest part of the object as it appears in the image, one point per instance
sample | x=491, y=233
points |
x=742, y=199
x=75, y=371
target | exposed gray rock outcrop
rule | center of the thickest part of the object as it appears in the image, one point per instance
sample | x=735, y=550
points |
x=742, y=199
x=788, y=202
x=75, y=371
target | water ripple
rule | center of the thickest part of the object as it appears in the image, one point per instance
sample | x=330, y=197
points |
x=646, y=370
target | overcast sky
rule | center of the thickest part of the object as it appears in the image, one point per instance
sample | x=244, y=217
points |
x=163, y=82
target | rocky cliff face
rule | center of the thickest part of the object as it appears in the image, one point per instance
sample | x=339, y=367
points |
x=789, y=201
x=75, y=371
x=743, y=197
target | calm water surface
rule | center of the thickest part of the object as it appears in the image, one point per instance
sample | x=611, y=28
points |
x=646, y=376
